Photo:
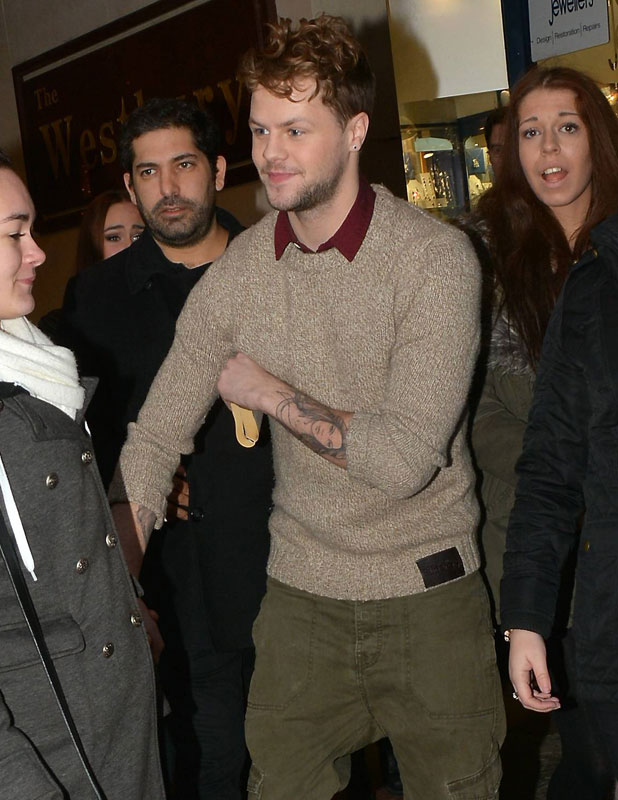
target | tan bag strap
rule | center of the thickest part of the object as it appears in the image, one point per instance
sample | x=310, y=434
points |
x=247, y=430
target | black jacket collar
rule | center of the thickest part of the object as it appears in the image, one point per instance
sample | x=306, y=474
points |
x=145, y=258
x=606, y=233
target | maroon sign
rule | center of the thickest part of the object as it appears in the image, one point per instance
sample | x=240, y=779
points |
x=73, y=100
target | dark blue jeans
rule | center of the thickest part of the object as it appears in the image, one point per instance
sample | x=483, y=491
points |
x=605, y=716
x=584, y=770
x=207, y=694
x=203, y=746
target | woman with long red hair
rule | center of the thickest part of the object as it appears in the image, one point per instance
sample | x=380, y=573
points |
x=559, y=181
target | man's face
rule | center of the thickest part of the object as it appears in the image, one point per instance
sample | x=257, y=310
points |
x=496, y=146
x=173, y=186
x=300, y=149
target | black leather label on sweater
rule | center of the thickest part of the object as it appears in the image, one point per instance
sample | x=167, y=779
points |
x=441, y=567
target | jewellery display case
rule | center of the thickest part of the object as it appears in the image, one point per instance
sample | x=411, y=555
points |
x=445, y=169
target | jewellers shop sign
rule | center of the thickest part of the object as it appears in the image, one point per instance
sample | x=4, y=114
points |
x=73, y=100
x=563, y=26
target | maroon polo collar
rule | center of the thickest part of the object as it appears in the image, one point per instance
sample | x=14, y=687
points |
x=347, y=239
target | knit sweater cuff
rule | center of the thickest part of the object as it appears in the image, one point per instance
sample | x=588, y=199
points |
x=137, y=486
x=382, y=455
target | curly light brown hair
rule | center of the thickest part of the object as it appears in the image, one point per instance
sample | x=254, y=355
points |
x=322, y=49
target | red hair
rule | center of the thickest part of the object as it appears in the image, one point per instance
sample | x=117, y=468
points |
x=530, y=252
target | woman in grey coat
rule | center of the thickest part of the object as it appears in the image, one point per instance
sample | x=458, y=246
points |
x=53, y=503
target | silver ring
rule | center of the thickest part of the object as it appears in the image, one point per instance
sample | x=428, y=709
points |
x=515, y=696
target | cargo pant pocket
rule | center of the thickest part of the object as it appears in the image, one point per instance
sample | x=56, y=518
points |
x=255, y=783
x=283, y=634
x=483, y=785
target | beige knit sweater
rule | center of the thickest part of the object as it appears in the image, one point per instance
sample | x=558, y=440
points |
x=391, y=336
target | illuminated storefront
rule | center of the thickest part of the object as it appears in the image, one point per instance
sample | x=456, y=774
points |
x=454, y=63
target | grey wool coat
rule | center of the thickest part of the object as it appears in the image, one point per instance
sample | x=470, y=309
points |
x=87, y=605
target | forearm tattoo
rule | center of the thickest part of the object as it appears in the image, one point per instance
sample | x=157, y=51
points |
x=315, y=425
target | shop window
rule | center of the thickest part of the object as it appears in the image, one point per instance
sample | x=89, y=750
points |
x=479, y=172
x=433, y=168
x=447, y=165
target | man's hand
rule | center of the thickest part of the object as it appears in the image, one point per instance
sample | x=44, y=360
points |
x=321, y=428
x=528, y=671
x=178, y=498
x=150, y=619
x=134, y=525
x=245, y=383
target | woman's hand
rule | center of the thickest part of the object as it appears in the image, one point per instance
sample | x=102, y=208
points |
x=528, y=671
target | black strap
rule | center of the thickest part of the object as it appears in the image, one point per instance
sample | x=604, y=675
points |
x=8, y=552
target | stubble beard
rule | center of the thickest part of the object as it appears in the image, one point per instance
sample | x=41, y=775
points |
x=192, y=228
x=311, y=196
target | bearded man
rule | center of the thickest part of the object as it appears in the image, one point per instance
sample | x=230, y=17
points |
x=204, y=572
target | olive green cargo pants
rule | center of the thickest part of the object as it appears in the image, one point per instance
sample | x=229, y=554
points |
x=334, y=675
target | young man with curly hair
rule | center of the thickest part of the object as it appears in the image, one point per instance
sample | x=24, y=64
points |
x=351, y=319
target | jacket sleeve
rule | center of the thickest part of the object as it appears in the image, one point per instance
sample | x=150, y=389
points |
x=497, y=434
x=23, y=773
x=179, y=399
x=549, y=497
x=71, y=325
x=399, y=447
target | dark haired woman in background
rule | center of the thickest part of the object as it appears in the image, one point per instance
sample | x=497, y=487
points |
x=559, y=179
x=110, y=223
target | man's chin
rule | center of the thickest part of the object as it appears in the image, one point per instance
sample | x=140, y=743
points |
x=173, y=232
x=184, y=231
x=178, y=238
x=281, y=203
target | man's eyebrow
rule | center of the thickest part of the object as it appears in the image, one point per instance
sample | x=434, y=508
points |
x=285, y=124
x=19, y=216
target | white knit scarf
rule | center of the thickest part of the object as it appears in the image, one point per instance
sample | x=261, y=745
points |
x=30, y=360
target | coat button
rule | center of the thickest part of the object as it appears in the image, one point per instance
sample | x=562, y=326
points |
x=136, y=619
x=108, y=650
x=111, y=540
x=82, y=565
x=51, y=481
x=586, y=546
x=87, y=457
x=197, y=515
